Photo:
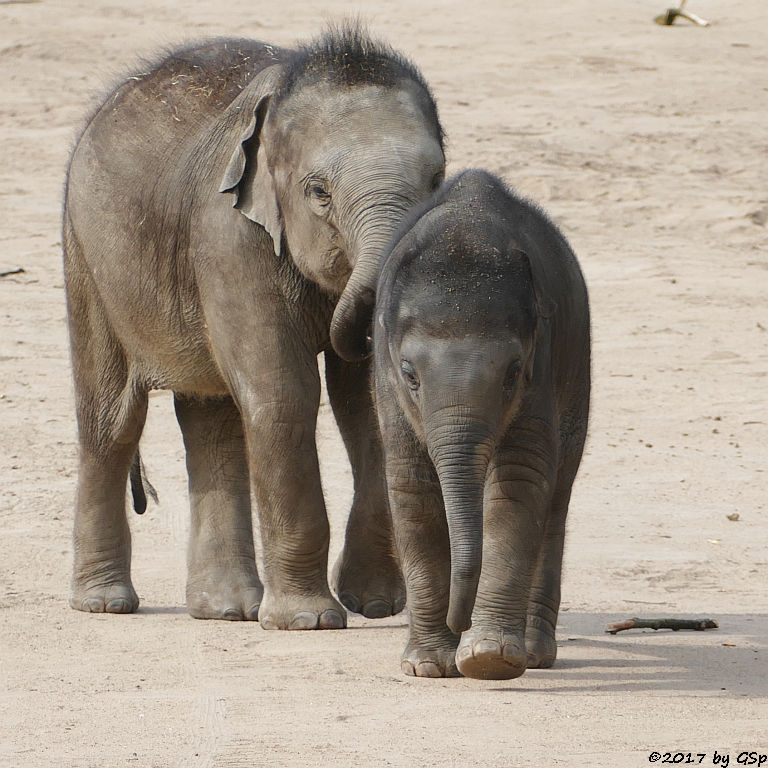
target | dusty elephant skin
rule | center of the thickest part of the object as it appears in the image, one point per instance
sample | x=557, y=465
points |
x=482, y=375
x=224, y=218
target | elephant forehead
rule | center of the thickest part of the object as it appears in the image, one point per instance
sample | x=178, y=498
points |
x=458, y=316
x=328, y=106
x=454, y=261
x=443, y=301
x=365, y=164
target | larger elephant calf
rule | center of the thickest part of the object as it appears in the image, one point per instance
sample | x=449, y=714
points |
x=225, y=213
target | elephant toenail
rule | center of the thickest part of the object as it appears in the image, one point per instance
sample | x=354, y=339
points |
x=93, y=605
x=118, y=605
x=376, y=609
x=350, y=602
x=428, y=669
x=514, y=653
x=252, y=614
x=304, y=620
x=331, y=619
x=407, y=668
x=487, y=648
x=232, y=614
x=267, y=622
x=463, y=654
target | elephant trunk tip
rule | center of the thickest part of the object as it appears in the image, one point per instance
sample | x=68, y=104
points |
x=462, y=602
x=459, y=620
x=350, y=327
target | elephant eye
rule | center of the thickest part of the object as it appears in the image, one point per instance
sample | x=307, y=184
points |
x=437, y=180
x=317, y=189
x=409, y=375
x=513, y=373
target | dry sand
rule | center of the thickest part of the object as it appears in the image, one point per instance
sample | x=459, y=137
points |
x=649, y=146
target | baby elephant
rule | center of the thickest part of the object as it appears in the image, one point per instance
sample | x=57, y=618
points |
x=482, y=376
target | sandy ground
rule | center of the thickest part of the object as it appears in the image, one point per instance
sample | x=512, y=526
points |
x=649, y=146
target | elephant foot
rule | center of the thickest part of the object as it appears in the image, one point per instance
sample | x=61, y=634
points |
x=301, y=612
x=540, y=644
x=486, y=654
x=372, y=587
x=116, y=597
x=223, y=594
x=430, y=660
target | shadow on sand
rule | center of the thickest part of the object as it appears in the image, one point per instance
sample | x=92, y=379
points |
x=728, y=661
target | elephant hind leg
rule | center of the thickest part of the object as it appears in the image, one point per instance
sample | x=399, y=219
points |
x=222, y=581
x=111, y=409
x=367, y=575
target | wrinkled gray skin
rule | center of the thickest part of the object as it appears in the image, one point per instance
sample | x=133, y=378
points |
x=481, y=350
x=170, y=286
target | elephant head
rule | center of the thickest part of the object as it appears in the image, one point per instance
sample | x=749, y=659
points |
x=459, y=334
x=337, y=141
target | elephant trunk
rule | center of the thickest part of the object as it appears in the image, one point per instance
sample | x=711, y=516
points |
x=350, y=326
x=352, y=316
x=461, y=468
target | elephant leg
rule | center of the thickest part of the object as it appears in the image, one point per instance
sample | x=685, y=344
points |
x=517, y=498
x=111, y=410
x=366, y=575
x=222, y=581
x=544, y=601
x=421, y=539
x=280, y=419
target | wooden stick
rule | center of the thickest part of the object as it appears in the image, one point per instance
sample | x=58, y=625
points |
x=673, y=624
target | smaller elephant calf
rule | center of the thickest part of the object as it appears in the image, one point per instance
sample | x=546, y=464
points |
x=482, y=378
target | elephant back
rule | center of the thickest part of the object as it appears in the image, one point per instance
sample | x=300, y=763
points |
x=160, y=111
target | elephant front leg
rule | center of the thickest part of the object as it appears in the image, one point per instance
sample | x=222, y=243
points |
x=294, y=525
x=544, y=601
x=222, y=581
x=517, y=498
x=367, y=575
x=421, y=537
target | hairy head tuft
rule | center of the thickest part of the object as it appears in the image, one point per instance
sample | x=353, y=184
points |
x=346, y=56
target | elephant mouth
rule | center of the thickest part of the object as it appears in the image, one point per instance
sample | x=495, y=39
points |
x=336, y=268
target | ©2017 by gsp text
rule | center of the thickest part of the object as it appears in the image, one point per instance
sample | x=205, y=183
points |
x=723, y=759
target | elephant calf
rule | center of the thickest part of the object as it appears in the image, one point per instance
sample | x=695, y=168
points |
x=482, y=378
x=224, y=217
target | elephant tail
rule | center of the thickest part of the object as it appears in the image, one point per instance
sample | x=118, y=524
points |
x=140, y=486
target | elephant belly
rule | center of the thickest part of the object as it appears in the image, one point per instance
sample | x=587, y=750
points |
x=191, y=371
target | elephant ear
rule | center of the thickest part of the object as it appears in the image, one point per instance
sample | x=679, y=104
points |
x=545, y=306
x=247, y=176
x=545, y=310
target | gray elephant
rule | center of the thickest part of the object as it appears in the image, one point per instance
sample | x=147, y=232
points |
x=226, y=210
x=481, y=360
